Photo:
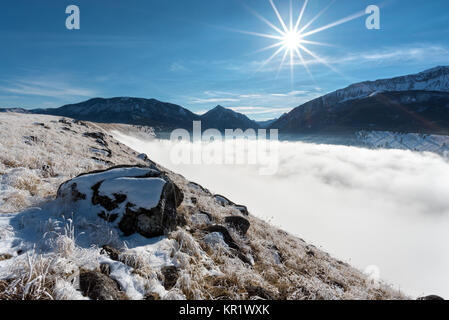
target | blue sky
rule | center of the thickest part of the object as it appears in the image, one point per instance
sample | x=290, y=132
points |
x=189, y=53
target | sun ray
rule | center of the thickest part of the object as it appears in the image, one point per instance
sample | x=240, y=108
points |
x=298, y=52
x=316, y=17
x=282, y=62
x=321, y=60
x=277, y=44
x=270, y=58
x=317, y=43
x=257, y=34
x=260, y=17
x=298, y=22
x=279, y=16
x=291, y=66
x=334, y=24
x=291, y=16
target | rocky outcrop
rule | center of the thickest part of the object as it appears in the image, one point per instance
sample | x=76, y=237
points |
x=222, y=200
x=134, y=199
x=238, y=223
x=99, y=286
x=225, y=234
x=5, y=256
x=171, y=274
x=431, y=297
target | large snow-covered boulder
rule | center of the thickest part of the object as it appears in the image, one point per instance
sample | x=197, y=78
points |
x=134, y=199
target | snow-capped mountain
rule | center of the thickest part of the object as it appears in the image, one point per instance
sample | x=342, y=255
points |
x=221, y=118
x=435, y=79
x=412, y=103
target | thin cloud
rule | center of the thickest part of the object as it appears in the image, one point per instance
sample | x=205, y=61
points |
x=46, y=89
x=177, y=67
x=214, y=100
x=257, y=104
x=259, y=110
x=420, y=53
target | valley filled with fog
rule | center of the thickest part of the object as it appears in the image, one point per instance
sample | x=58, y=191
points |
x=383, y=208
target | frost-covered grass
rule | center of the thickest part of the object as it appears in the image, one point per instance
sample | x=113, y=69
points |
x=48, y=248
x=37, y=155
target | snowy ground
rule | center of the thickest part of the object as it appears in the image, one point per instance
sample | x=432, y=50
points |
x=38, y=153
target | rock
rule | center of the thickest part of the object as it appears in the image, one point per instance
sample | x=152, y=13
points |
x=101, y=142
x=143, y=157
x=106, y=162
x=5, y=256
x=105, y=269
x=226, y=235
x=152, y=296
x=277, y=255
x=201, y=218
x=104, y=152
x=243, y=209
x=431, y=297
x=81, y=123
x=214, y=239
x=113, y=253
x=64, y=121
x=94, y=135
x=171, y=275
x=238, y=223
x=259, y=292
x=98, y=286
x=226, y=202
x=194, y=200
x=76, y=195
x=48, y=171
x=135, y=199
x=198, y=187
x=41, y=125
x=223, y=200
x=30, y=140
x=310, y=253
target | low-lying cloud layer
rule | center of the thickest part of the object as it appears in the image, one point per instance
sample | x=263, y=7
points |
x=388, y=208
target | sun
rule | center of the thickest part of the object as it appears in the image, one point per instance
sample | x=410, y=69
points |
x=292, y=39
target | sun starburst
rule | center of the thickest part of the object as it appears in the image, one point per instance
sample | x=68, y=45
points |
x=291, y=37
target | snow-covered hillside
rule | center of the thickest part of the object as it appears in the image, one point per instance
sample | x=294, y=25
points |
x=435, y=79
x=38, y=153
x=411, y=103
x=139, y=231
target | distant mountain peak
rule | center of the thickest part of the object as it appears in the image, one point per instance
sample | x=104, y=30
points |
x=222, y=118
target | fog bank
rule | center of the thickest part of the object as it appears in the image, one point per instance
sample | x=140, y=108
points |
x=388, y=208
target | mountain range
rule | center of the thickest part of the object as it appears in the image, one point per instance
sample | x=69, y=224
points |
x=148, y=112
x=417, y=103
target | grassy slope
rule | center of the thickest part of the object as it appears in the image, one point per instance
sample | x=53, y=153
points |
x=285, y=267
